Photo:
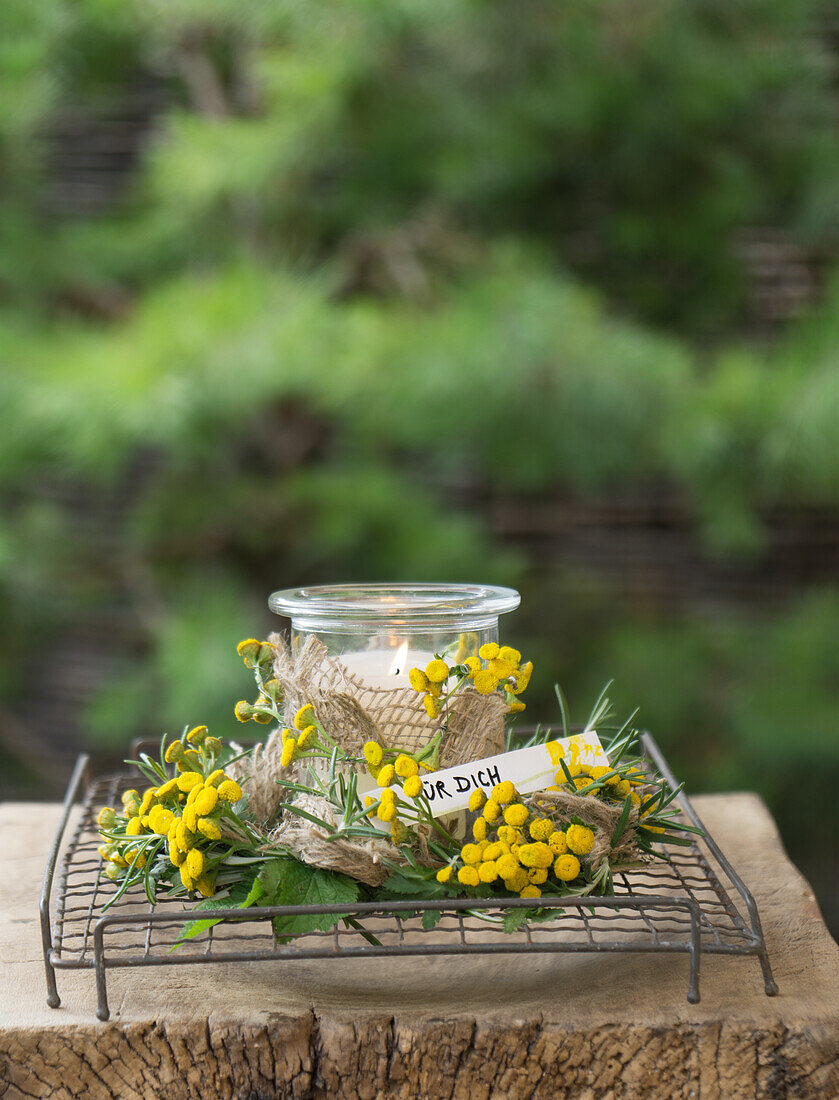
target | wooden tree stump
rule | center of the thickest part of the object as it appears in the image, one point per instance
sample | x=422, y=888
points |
x=593, y=1027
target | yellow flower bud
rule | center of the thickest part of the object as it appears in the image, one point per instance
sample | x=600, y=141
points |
x=372, y=753
x=243, y=711
x=248, y=650
x=412, y=786
x=304, y=717
x=405, y=766
x=386, y=775
x=437, y=671
x=189, y=780
x=205, y=801
x=107, y=818
x=230, y=791
x=418, y=680
x=209, y=828
x=196, y=735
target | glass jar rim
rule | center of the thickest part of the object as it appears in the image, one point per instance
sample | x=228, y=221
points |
x=409, y=603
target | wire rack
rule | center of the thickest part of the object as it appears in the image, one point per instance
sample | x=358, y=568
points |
x=692, y=901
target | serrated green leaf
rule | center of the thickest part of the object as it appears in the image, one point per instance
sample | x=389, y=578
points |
x=287, y=881
x=430, y=918
x=515, y=918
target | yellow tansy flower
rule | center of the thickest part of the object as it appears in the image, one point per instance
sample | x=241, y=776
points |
x=517, y=881
x=540, y=828
x=468, y=876
x=567, y=867
x=197, y=734
x=386, y=775
x=507, y=866
x=148, y=798
x=205, y=887
x=538, y=875
x=476, y=800
x=194, y=863
x=304, y=717
x=507, y=653
x=106, y=817
x=479, y=828
x=473, y=664
x=487, y=871
x=405, y=766
x=230, y=791
x=516, y=815
x=189, y=780
x=530, y=892
x=517, y=707
x=491, y=810
x=160, y=820
x=205, y=801
x=287, y=755
x=208, y=828
x=522, y=678
x=412, y=786
x=444, y=874
x=489, y=651
x=167, y=788
x=470, y=853
x=213, y=778
x=437, y=671
x=500, y=668
x=485, y=682
x=386, y=811
x=557, y=843
x=134, y=827
x=306, y=735
x=504, y=792
x=580, y=839
x=243, y=711
x=418, y=680
x=535, y=855
x=372, y=753
x=173, y=752
x=431, y=707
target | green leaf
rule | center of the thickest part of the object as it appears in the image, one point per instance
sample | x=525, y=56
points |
x=515, y=918
x=287, y=881
x=240, y=896
x=416, y=886
x=430, y=918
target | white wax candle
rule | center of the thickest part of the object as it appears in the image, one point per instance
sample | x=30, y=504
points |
x=385, y=668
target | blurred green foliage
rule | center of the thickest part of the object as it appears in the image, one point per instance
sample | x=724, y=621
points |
x=378, y=262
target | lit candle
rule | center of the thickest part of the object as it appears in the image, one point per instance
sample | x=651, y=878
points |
x=385, y=668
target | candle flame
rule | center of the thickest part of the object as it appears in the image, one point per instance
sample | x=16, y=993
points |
x=398, y=660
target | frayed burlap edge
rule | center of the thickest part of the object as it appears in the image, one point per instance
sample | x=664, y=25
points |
x=362, y=860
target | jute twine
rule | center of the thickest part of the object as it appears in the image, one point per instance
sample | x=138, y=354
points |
x=353, y=712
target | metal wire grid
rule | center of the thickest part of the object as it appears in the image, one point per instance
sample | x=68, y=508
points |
x=675, y=905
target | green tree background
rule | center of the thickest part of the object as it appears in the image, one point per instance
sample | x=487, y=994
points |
x=538, y=294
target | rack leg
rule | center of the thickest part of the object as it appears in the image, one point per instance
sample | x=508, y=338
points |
x=53, y=999
x=102, y=1011
x=769, y=983
x=695, y=955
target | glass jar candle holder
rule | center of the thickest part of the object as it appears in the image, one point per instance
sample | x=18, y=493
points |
x=381, y=631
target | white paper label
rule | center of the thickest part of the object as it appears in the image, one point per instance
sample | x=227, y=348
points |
x=530, y=770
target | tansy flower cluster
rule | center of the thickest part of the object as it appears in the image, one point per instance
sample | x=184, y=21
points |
x=185, y=820
x=259, y=656
x=306, y=737
x=517, y=851
x=494, y=668
x=392, y=768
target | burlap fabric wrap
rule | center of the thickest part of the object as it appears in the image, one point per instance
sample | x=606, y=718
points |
x=353, y=712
